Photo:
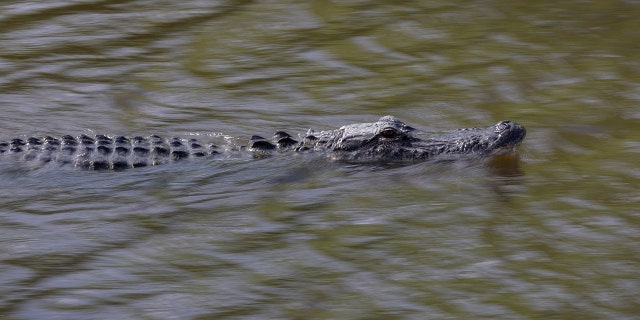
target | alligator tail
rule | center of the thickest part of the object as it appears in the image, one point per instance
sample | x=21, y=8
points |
x=107, y=153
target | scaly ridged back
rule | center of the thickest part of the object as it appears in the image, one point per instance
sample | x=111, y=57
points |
x=103, y=152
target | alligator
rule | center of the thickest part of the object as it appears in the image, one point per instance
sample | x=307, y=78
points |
x=387, y=140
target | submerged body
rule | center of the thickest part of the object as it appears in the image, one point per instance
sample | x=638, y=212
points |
x=386, y=140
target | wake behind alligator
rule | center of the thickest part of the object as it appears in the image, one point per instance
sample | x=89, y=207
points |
x=386, y=140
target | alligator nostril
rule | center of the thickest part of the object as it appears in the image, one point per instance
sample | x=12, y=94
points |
x=503, y=125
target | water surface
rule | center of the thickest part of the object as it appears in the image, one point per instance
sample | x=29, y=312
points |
x=553, y=234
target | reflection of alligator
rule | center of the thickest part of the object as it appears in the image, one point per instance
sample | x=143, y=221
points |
x=387, y=140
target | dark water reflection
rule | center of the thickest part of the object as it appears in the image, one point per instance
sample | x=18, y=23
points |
x=551, y=234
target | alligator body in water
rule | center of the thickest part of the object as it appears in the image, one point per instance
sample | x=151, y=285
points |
x=386, y=140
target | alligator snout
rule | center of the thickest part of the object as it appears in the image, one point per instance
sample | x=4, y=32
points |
x=515, y=130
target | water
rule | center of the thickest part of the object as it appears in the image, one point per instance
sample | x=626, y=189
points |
x=552, y=235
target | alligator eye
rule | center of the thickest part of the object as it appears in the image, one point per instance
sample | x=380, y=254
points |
x=389, y=133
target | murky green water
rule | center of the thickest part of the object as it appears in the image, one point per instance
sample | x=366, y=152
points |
x=554, y=236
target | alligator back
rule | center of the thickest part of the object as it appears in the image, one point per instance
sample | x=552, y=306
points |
x=103, y=152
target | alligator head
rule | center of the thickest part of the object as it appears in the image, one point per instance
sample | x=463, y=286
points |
x=391, y=140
